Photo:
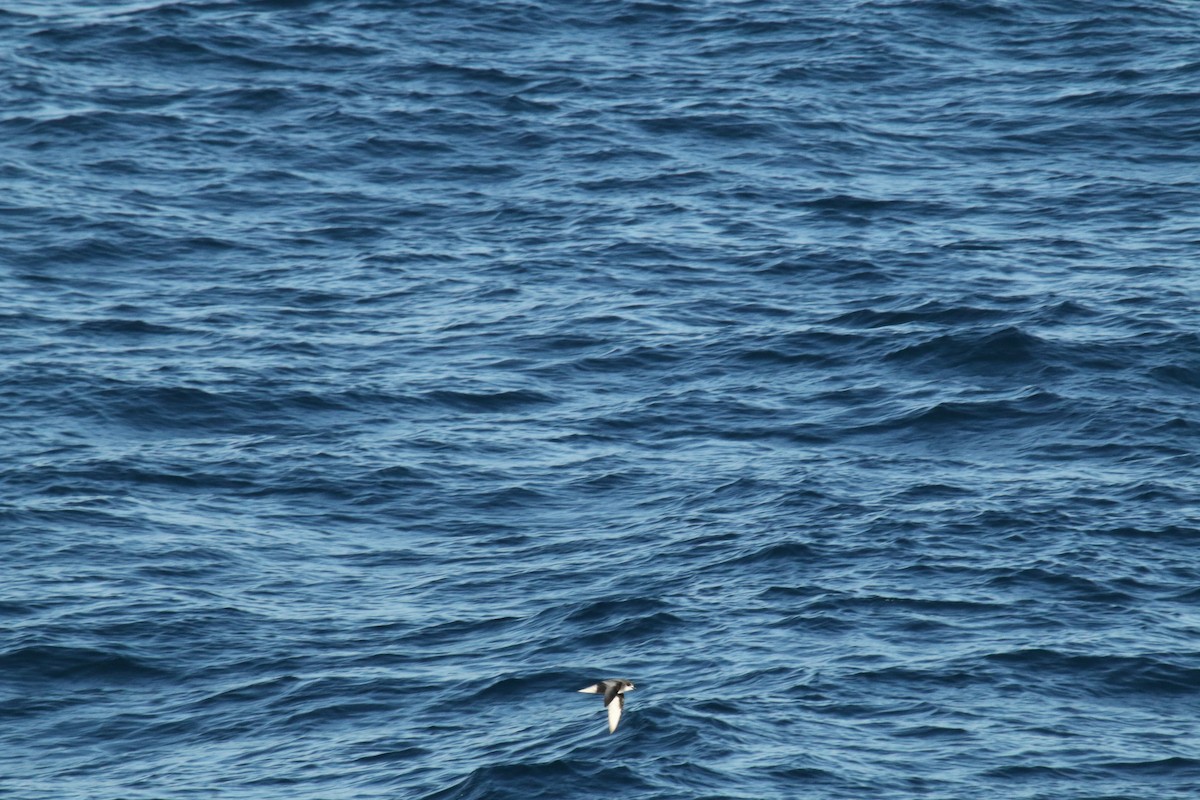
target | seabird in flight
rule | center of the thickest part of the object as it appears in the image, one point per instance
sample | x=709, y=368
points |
x=614, y=690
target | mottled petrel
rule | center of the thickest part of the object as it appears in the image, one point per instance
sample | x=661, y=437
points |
x=614, y=690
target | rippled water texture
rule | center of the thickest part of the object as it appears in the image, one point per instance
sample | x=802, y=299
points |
x=377, y=374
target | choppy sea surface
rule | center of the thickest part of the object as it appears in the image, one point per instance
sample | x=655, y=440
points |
x=376, y=374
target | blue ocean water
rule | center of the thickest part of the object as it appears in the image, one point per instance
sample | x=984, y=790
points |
x=378, y=373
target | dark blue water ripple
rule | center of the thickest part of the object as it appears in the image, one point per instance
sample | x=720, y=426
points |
x=379, y=373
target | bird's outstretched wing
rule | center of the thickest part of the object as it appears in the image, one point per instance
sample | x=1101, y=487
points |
x=615, y=707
